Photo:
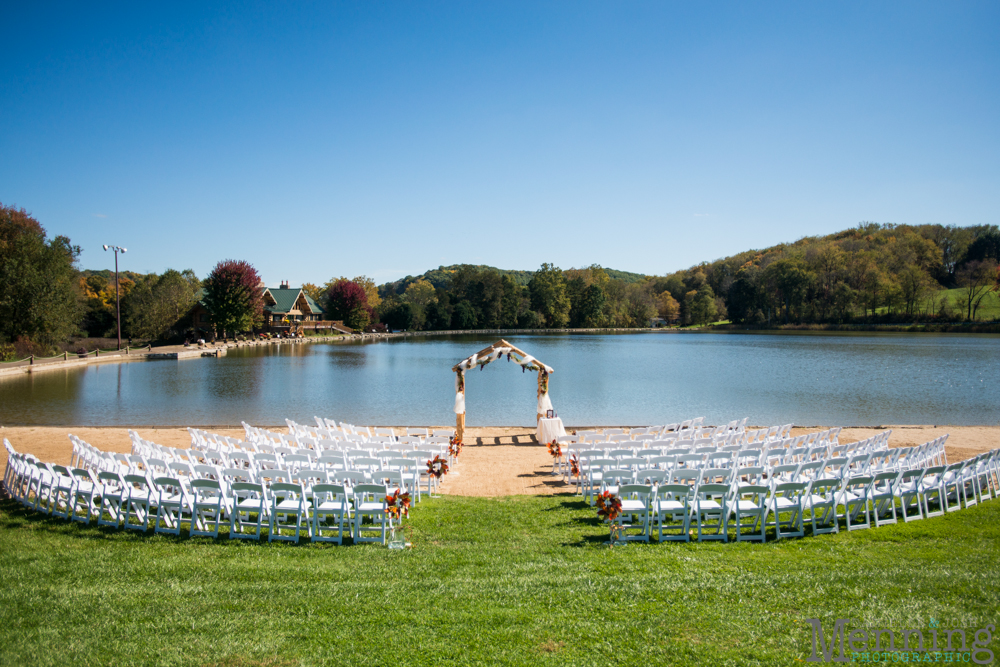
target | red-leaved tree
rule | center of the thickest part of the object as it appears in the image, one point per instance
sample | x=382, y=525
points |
x=233, y=296
x=346, y=300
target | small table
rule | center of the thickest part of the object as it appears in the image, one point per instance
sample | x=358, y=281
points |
x=549, y=429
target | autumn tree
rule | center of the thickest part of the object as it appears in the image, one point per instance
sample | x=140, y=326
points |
x=420, y=293
x=371, y=291
x=347, y=301
x=234, y=297
x=38, y=298
x=667, y=307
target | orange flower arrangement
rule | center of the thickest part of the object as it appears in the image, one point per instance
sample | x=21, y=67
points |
x=438, y=467
x=574, y=466
x=609, y=506
x=554, y=449
x=455, y=446
x=397, y=504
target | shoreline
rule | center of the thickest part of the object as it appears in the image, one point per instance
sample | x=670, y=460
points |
x=178, y=352
x=497, y=460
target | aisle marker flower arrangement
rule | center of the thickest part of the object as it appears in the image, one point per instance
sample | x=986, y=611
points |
x=397, y=505
x=455, y=446
x=574, y=466
x=609, y=506
x=554, y=449
x=437, y=468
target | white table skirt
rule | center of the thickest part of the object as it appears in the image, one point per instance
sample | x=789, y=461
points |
x=549, y=429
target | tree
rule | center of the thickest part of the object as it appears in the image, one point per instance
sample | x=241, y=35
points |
x=233, y=297
x=548, y=296
x=591, y=310
x=843, y=300
x=641, y=305
x=438, y=316
x=155, y=306
x=97, y=296
x=464, y=316
x=669, y=309
x=913, y=283
x=399, y=316
x=976, y=278
x=38, y=295
x=371, y=291
x=419, y=293
x=792, y=279
x=347, y=301
x=702, y=306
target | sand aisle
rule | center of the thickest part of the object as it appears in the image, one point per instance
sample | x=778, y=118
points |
x=497, y=461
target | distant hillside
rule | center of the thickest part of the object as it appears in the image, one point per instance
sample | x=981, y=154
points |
x=441, y=276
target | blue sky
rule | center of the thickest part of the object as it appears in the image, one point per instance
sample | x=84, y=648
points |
x=327, y=139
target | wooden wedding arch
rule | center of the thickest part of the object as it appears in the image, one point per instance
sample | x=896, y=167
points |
x=495, y=351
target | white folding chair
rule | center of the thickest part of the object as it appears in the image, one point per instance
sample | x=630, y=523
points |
x=710, y=510
x=635, y=505
x=821, y=499
x=173, y=505
x=329, y=501
x=786, y=500
x=883, y=497
x=672, y=512
x=84, y=487
x=908, y=493
x=140, y=498
x=749, y=508
x=288, y=512
x=854, y=498
x=369, y=503
x=207, y=508
x=113, y=495
x=249, y=510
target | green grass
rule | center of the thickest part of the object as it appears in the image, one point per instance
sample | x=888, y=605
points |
x=518, y=581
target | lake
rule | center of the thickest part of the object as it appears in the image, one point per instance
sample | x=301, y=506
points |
x=599, y=379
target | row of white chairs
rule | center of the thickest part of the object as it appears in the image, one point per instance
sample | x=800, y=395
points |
x=713, y=456
x=656, y=437
x=860, y=458
x=137, y=500
x=409, y=469
x=332, y=458
x=746, y=507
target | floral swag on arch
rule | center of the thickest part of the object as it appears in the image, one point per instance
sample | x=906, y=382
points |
x=496, y=351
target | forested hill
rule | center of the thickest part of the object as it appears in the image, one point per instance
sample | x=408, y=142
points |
x=441, y=277
x=872, y=272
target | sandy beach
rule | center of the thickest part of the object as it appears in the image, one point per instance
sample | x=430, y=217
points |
x=496, y=461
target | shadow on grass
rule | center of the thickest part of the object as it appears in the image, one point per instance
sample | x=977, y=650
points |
x=570, y=504
x=15, y=516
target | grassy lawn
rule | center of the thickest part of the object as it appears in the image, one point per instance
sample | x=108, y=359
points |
x=518, y=581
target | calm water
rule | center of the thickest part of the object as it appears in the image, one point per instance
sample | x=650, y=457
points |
x=598, y=379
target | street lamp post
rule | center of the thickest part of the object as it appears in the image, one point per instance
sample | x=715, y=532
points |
x=118, y=304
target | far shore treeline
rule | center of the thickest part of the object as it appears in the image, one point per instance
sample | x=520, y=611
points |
x=869, y=274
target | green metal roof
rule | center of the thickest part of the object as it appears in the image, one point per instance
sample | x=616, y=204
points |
x=285, y=300
x=312, y=304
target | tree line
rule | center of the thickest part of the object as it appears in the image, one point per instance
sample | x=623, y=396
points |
x=870, y=273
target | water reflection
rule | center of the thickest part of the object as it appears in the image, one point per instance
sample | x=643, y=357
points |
x=599, y=379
